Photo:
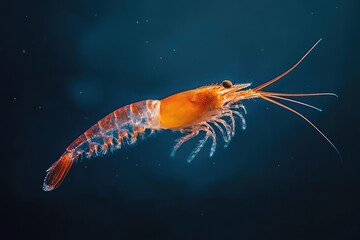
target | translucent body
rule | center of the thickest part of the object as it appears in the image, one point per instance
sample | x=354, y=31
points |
x=118, y=128
x=207, y=109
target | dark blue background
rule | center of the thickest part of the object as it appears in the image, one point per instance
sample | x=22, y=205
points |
x=66, y=64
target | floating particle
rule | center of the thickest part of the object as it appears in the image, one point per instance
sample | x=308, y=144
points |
x=15, y=98
x=23, y=51
x=146, y=41
x=95, y=15
x=262, y=49
x=147, y=20
x=136, y=165
x=85, y=166
x=80, y=92
x=161, y=58
x=39, y=107
x=137, y=22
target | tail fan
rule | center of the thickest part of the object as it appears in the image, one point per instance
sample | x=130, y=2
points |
x=57, y=172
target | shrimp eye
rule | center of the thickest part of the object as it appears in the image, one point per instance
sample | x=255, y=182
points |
x=227, y=84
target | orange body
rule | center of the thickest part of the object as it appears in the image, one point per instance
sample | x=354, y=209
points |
x=187, y=108
x=202, y=109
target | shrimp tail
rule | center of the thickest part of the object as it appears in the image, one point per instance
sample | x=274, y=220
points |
x=123, y=126
x=57, y=172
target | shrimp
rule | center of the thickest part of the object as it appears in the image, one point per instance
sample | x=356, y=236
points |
x=209, y=109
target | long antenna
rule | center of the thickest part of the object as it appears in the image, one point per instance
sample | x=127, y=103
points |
x=285, y=73
x=303, y=117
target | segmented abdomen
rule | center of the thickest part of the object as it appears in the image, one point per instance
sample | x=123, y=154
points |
x=119, y=127
x=122, y=126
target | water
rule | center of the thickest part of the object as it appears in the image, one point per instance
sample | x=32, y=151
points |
x=67, y=65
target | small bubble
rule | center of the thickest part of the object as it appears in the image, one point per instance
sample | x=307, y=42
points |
x=137, y=22
x=26, y=16
x=159, y=164
x=262, y=49
x=137, y=165
x=23, y=51
x=147, y=20
x=312, y=13
x=80, y=92
x=213, y=163
x=174, y=50
x=146, y=41
x=336, y=7
x=15, y=98
x=278, y=165
x=85, y=166
x=161, y=58
x=267, y=108
x=40, y=107
x=95, y=15
x=127, y=158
